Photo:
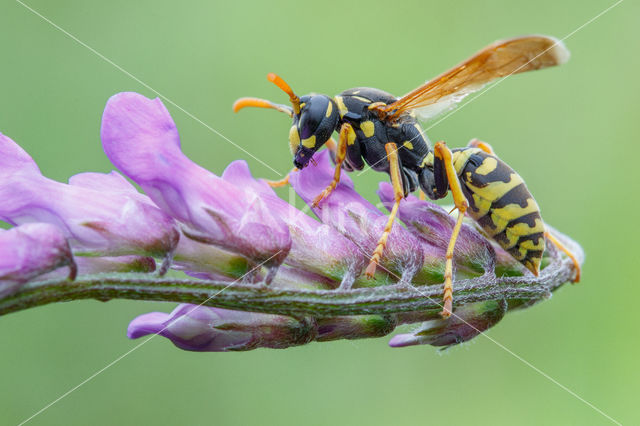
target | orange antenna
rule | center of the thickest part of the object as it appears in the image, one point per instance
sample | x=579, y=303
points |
x=260, y=103
x=295, y=101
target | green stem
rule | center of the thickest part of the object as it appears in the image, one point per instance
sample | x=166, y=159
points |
x=259, y=298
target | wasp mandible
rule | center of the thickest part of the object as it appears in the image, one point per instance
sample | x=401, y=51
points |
x=383, y=131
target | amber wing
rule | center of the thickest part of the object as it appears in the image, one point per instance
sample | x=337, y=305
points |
x=500, y=59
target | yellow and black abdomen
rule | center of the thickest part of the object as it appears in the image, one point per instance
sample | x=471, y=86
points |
x=502, y=205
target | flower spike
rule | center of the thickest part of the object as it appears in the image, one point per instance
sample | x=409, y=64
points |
x=231, y=235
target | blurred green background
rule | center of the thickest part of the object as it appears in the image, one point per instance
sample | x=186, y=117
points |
x=571, y=132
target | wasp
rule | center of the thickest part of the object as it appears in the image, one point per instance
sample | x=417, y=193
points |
x=383, y=131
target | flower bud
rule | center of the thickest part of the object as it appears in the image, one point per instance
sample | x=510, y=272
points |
x=466, y=323
x=29, y=251
x=96, y=222
x=105, y=265
x=206, y=260
x=355, y=327
x=205, y=329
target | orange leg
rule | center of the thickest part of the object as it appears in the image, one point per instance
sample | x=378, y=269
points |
x=398, y=193
x=442, y=153
x=477, y=143
x=332, y=146
x=562, y=248
x=341, y=153
x=282, y=182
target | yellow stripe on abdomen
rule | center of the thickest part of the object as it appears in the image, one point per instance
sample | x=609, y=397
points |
x=501, y=217
x=495, y=190
x=503, y=206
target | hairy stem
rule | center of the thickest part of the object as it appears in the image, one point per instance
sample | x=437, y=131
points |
x=258, y=298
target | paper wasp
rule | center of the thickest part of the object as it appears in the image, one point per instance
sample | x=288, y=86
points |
x=382, y=131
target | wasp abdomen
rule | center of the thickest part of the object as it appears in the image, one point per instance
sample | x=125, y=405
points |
x=502, y=205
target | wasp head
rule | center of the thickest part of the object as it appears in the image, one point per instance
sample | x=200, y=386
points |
x=315, y=117
x=312, y=127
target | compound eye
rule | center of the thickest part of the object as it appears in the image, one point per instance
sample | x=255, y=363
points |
x=313, y=113
x=308, y=123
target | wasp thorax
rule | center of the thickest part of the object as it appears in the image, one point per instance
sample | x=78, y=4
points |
x=314, y=125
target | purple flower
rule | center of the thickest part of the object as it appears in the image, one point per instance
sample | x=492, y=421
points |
x=358, y=220
x=95, y=221
x=466, y=323
x=29, y=251
x=140, y=138
x=316, y=247
x=197, y=259
x=473, y=254
x=205, y=329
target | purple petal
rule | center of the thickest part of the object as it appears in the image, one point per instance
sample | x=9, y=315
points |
x=313, y=179
x=402, y=340
x=14, y=159
x=110, y=182
x=151, y=323
x=238, y=174
x=140, y=138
